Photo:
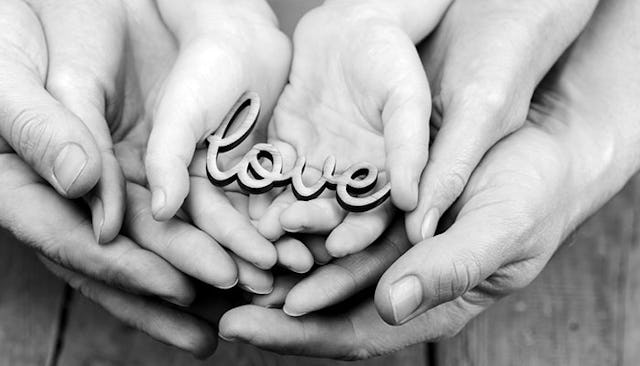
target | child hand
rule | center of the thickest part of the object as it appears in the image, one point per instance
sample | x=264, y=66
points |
x=227, y=48
x=357, y=91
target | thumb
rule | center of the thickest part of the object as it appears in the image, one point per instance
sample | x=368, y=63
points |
x=406, y=130
x=443, y=268
x=203, y=85
x=51, y=139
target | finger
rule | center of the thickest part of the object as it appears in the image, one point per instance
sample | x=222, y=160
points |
x=206, y=80
x=269, y=224
x=359, y=230
x=344, y=277
x=406, y=130
x=273, y=329
x=318, y=216
x=212, y=212
x=281, y=286
x=358, y=334
x=467, y=132
x=259, y=203
x=159, y=321
x=46, y=135
x=317, y=247
x=59, y=230
x=443, y=268
x=294, y=255
x=82, y=76
x=184, y=246
x=252, y=278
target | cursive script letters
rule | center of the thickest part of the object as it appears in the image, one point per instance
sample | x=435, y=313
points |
x=353, y=187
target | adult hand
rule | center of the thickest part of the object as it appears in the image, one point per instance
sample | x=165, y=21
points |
x=578, y=147
x=484, y=62
x=52, y=103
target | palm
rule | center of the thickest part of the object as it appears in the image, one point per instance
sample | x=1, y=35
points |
x=346, y=87
x=333, y=105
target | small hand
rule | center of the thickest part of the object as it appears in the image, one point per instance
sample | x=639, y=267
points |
x=357, y=91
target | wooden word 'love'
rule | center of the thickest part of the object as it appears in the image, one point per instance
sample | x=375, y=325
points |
x=353, y=187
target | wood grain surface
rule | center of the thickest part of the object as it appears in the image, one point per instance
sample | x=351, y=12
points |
x=30, y=306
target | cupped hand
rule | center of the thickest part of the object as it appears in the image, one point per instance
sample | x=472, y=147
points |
x=484, y=62
x=226, y=49
x=578, y=147
x=53, y=100
x=357, y=91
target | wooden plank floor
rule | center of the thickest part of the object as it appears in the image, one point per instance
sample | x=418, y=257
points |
x=31, y=301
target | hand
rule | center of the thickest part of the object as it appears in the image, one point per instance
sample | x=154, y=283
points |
x=530, y=191
x=484, y=62
x=356, y=91
x=52, y=103
x=227, y=48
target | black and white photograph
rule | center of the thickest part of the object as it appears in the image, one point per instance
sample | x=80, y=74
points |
x=319, y=182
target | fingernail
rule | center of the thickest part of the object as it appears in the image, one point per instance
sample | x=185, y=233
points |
x=175, y=302
x=256, y=291
x=226, y=287
x=292, y=229
x=68, y=165
x=158, y=200
x=292, y=313
x=429, y=223
x=98, y=218
x=405, y=296
x=228, y=339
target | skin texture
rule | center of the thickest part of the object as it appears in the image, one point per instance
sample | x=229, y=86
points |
x=578, y=147
x=356, y=91
x=113, y=64
x=335, y=105
x=484, y=63
x=562, y=128
x=98, y=64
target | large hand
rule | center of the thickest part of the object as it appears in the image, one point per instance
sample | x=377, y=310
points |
x=61, y=131
x=484, y=62
x=578, y=148
x=357, y=91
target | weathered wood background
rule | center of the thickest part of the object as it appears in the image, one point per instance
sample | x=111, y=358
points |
x=582, y=310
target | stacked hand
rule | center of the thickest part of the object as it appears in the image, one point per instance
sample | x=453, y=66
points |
x=112, y=101
x=83, y=86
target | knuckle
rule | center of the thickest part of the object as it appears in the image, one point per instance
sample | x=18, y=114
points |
x=449, y=186
x=116, y=270
x=487, y=99
x=457, y=278
x=492, y=106
x=76, y=79
x=32, y=133
x=138, y=218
